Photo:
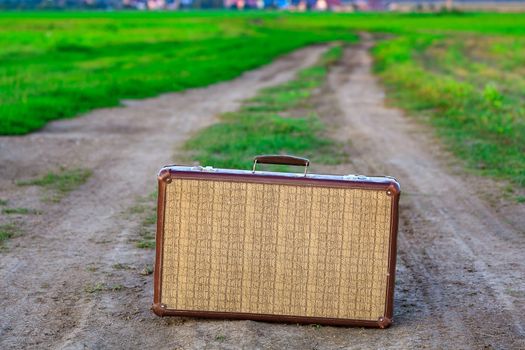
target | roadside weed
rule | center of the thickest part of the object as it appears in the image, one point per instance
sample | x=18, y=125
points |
x=59, y=184
x=7, y=231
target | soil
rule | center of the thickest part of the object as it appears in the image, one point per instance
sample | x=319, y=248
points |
x=73, y=278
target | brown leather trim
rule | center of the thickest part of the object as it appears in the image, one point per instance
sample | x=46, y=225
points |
x=163, y=179
x=392, y=255
x=281, y=159
x=393, y=189
x=384, y=322
x=161, y=311
x=166, y=177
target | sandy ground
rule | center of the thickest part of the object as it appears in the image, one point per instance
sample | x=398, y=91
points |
x=460, y=279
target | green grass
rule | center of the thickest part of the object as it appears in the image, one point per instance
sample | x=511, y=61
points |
x=95, y=288
x=147, y=240
x=59, y=184
x=102, y=287
x=120, y=266
x=145, y=210
x=258, y=127
x=471, y=88
x=7, y=231
x=21, y=211
x=146, y=271
x=56, y=65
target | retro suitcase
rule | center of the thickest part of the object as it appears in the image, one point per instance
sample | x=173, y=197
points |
x=271, y=246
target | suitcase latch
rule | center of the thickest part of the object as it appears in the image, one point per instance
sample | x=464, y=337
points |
x=208, y=169
x=355, y=177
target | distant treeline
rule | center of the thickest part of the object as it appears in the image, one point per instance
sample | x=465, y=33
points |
x=58, y=4
x=106, y=4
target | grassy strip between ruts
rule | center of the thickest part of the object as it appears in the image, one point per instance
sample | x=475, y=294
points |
x=471, y=87
x=258, y=127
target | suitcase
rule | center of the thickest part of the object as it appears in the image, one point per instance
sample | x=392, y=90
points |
x=270, y=246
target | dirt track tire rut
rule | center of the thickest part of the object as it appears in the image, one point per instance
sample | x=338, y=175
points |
x=461, y=280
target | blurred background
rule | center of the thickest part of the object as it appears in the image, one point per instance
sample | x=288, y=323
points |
x=292, y=5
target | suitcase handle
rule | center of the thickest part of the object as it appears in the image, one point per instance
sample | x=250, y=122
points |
x=281, y=159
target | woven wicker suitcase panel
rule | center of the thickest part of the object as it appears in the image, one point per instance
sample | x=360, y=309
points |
x=275, y=249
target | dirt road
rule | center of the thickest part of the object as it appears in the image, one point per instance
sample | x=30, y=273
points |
x=461, y=266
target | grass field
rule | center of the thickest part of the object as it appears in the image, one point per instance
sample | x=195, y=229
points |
x=472, y=88
x=463, y=71
x=58, y=65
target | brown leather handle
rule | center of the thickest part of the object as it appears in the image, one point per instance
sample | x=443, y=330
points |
x=281, y=159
